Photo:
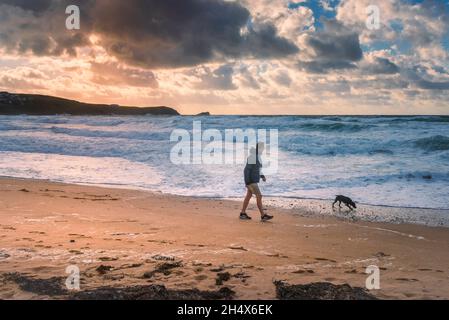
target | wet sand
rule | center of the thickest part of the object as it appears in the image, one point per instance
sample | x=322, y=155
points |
x=127, y=238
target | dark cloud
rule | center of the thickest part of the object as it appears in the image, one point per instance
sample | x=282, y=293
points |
x=419, y=76
x=218, y=79
x=335, y=48
x=183, y=33
x=381, y=66
x=282, y=78
x=430, y=85
x=148, y=33
x=381, y=83
x=325, y=66
x=38, y=27
x=36, y=6
x=247, y=79
x=419, y=31
x=336, y=42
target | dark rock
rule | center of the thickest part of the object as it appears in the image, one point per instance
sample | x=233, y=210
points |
x=163, y=258
x=427, y=177
x=54, y=287
x=104, y=269
x=46, y=287
x=24, y=190
x=321, y=291
x=152, y=292
x=164, y=268
x=222, y=277
x=203, y=114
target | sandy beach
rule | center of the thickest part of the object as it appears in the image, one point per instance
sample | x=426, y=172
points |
x=127, y=238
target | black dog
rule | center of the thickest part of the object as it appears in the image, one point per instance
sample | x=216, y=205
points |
x=347, y=201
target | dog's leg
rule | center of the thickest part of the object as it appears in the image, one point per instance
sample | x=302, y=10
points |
x=349, y=207
x=333, y=204
x=339, y=204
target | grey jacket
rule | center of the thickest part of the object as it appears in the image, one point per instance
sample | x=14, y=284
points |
x=252, y=172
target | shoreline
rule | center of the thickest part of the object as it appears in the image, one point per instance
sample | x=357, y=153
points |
x=122, y=238
x=431, y=217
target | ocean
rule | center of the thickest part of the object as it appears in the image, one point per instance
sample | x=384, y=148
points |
x=377, y=160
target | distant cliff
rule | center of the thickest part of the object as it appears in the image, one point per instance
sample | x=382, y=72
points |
x=15, y=104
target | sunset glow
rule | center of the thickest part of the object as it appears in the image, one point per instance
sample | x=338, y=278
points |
x=232, y=57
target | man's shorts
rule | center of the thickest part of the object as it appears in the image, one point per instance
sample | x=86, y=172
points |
x=254, y=189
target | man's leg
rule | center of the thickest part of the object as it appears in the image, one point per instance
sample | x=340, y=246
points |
x=259, y=204
x=248, y=197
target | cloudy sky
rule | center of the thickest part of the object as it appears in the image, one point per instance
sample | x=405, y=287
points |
x=233, y=57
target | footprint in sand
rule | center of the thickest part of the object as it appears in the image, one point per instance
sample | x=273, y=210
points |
x=161, y=241
x=104, y=259
x=238, y=248
x=48, y=190
x=37, y=232
x=4, y=255
x=194, y=245
x=241, y=275
x=351, y=271
x=407, y=279
x=130, y=266
x=201, y=264
x=78, y=235
x=219, y=269
x=324, y=259
x=381, y=255
x=303, y=271
x=277, y=255
x=200, y=277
